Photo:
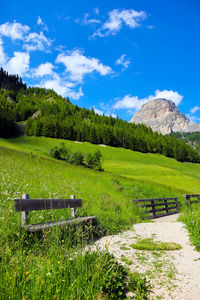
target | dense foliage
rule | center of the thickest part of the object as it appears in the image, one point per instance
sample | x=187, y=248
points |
x=10, y=82
x=7, y=126
x=89, y=160
x=192, y=138
x=51, y=115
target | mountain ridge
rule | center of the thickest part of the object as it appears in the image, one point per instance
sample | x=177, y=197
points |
x=163, y=116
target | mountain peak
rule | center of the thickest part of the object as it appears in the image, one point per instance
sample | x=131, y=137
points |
x=163, y=116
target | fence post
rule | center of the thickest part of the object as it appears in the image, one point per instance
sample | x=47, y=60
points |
x=24, y=216
x=166, y=206
x=177, y=205
x=187, y=200
x=73, y=210
x=153, y=208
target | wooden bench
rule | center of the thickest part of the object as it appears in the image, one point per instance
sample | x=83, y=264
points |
x=25, y=205
x=189, y=201
x=168, y=205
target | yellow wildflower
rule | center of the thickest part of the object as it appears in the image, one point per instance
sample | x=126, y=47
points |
x=58, y=262
x=27, y=273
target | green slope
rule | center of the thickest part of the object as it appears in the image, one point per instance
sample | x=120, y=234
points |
x=25, y=167
x=148, y=168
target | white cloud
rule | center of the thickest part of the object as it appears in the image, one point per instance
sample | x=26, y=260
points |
x=193, y=118
x=117, y=18
x=129, y=102
x=35, y=41
x=194, y=109
x=62, y=87
x=169, y=95
x=15, y=31
x=76, y=95
x=42, y=70
x=133, y=102
x=98, y=111
x=96, y=10
x=101, y=113
x=3, y=57
x=123, y=61
x=87, y=21
x=78, y=65
x=18, y=64
x=41, y=23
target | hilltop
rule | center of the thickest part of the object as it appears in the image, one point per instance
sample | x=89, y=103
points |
x=163, y=116
x=45, y=113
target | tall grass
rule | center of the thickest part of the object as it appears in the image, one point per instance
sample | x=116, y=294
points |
x=52, y=265
x=191, y=218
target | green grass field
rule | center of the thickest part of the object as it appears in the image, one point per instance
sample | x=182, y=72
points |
x=25, y=167
x=149, y=168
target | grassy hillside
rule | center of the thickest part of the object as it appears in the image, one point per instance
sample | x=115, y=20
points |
x=27, y=168
x=46, y=267
x=146, y=169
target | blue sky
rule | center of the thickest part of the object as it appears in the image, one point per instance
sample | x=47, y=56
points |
x=110, y=55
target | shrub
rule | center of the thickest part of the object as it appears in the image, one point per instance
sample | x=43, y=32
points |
x=76, y=158
x=89, y=160
x=93, y=161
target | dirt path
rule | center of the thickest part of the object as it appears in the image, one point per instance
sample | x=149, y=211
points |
x=172, y=274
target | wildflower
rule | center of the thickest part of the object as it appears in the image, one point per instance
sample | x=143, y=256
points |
x=42, y=282
x=10, y=277
x=27, y=273
x=54, y=296
x=58, y=262
x=63, y=280
x=48, y=274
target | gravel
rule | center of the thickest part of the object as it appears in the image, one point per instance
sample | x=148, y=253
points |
x=172, y=274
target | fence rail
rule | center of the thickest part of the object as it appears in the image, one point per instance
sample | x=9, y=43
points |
x=189, y=201
x=165, y=205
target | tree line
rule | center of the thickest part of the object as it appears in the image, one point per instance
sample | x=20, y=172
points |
x=48, y=114
x=191, y=138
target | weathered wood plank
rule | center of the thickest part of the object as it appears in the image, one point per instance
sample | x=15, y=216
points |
x=160, y=204
x=73, y=210
x=191, y=195
x=156, y=199
x=24, y=214
x=163, y=215
x=42, y=226
x=43, y=204
x=160, y=209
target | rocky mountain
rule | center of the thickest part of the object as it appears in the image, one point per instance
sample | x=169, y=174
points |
x=163, y=116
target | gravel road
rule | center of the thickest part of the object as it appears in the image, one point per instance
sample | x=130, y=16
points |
x=172, y=274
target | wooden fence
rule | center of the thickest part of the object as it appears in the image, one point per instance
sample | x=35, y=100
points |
x=189, y=201
x=168, y=206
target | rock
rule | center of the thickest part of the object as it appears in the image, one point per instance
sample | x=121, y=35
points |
x=164, y=117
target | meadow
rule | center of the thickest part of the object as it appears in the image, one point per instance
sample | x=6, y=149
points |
x=53, y=266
